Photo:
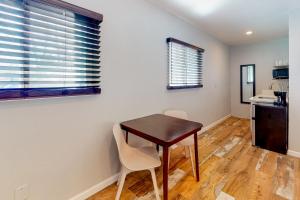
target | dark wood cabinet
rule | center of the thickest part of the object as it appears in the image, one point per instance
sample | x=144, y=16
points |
x=271, y=127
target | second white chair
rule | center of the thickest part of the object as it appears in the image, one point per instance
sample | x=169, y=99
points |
x=135, y=159
x=188, y=142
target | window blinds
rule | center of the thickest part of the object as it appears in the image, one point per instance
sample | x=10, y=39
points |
x=48, y=48
x=185, y=65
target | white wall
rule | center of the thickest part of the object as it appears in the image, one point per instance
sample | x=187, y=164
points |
x=294, y=103
x=60, y=147
x=263, y=55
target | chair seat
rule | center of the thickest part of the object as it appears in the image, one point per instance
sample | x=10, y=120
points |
x=187, y=141
x=140, y=144
x=141, y=158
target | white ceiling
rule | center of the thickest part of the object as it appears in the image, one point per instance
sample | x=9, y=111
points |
x=228, y=20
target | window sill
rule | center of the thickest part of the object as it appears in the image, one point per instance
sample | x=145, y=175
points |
x=21, y=94
x=183, y=87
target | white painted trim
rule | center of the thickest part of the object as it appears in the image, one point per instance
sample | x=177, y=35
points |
x=96, y=188
x=100, y=186
x=214, y=124
x=294, y=153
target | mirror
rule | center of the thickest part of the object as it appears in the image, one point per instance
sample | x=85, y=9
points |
x=247, y=83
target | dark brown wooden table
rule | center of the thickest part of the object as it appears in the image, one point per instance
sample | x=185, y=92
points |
x=164, y=131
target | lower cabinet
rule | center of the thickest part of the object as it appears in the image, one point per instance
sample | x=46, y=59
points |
x=271, y=128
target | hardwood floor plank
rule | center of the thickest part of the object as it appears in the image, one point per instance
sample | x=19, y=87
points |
x=284, y=178
x=240, y=177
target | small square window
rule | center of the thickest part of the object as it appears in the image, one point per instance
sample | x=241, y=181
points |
x=185, y=65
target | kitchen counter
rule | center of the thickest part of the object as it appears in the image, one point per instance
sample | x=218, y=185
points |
x=269, y=122
x=269, y=126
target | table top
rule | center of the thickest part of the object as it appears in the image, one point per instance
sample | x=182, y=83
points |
x=161, y=129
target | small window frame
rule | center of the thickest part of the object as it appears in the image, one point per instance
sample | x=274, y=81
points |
x=200, y=52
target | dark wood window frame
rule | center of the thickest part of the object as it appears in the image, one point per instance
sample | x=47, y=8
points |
x=73, y=8
x=199, y=58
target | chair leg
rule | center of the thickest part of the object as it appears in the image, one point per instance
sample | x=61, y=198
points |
x=186, y=151
x=118, y=181
x=122, y=177
x=155, y=184
x=192, y=161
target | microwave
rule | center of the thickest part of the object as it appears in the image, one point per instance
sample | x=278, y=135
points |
x=281, y=73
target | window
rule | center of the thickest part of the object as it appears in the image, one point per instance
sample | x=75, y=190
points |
x=185, y=65
x=48, y=48
x=250, y=74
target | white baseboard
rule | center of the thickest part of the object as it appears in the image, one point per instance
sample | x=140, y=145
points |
x=100, y=186
x=96, y=188
x=294, y=153
x=214, y=124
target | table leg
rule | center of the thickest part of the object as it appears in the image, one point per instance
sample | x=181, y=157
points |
x=196, y=155
x=157, y=148
x=165, y=171
x=126, y=137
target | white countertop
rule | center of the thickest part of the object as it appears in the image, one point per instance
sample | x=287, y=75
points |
x=263, y=99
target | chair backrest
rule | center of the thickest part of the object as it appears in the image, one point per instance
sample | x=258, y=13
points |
x=177, y=113
x=121, y=143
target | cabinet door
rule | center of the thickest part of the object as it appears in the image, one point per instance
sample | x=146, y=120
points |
x=271, y=128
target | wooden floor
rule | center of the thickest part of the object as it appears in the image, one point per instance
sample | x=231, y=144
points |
x=230, y=168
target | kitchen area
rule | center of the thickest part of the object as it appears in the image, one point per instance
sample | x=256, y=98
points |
x=268, y=107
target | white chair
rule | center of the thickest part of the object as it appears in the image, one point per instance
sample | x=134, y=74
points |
x=135, y=159
x=186, y=143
